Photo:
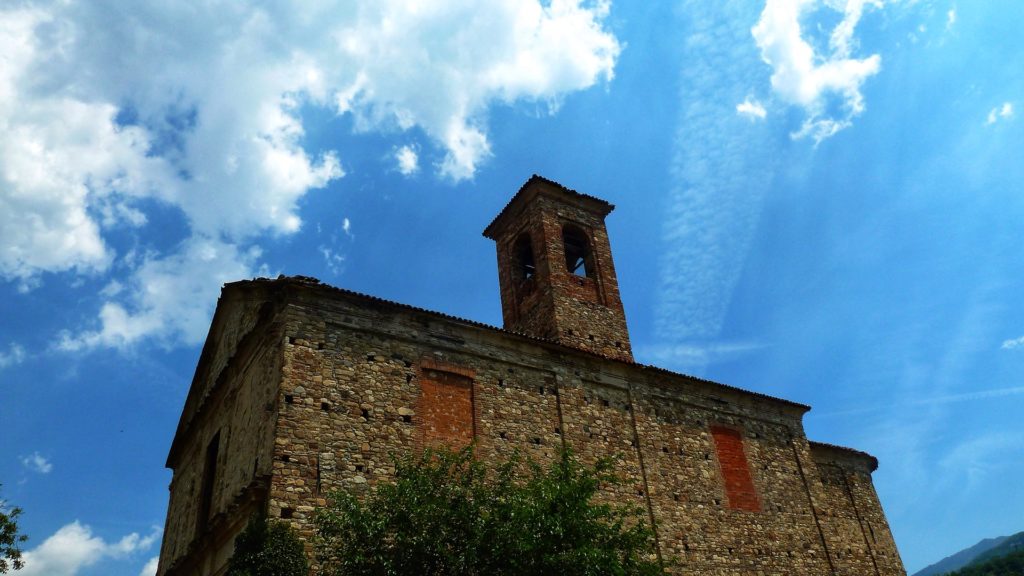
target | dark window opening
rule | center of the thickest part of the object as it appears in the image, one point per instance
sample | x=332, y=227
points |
x=287, y=513
x=407, y=418
x=578, y=258
x=524, y=267
x=288, y=399
x=209, y=479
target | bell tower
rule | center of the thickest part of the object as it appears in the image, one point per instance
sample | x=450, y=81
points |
x=555, y=269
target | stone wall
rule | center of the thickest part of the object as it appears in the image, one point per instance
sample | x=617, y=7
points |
x=352, y=393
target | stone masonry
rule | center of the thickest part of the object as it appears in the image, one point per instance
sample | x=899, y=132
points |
x=303, y=389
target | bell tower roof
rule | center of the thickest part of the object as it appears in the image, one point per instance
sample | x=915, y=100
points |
x=540, y=185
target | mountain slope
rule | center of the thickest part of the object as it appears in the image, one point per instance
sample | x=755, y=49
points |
x=961, y=558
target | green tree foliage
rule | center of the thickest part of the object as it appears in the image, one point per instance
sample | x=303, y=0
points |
x=10, y=539
x=1011, y=564
x=268, y=549
x=449, y=514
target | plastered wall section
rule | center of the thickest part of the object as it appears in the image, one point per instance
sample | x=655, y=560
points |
x=245, y=363
x=352, y=395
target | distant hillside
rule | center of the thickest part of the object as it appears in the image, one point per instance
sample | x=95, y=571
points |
x=1008, y=546
x=962, y=558
x=1010, y=564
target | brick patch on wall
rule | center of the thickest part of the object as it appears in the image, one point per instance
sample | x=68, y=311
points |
x=446, y=409
x=739, y=486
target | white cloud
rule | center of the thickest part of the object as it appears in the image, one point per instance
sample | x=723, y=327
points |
x=171, y=296
x=811, y=79
x=688, y=355
x=15, y=355
x=1013, y=344
x=74, y=547
x=37, y=463
x=104, y=113
x=950, y=18
x=751, y=109
x=150, y=568
x=1003, y=112
x=408, y=160
x=334, y=261
x=346, y=227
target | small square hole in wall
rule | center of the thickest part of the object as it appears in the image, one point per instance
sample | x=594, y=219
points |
x=618, y=344
x=359, y=467
x=286, y=458
x=540, y=389
x=365, y=413
x=408, y=378
x=289, y=399
x=676, y=497
x=605, y=403
x=558, y=430
x=407, y=418
x=319, y=345
x=370, y=357
x=501, y=383
x=664, y=449
x=590, y=337
x=291, y=340
x=503, y=435
x=536, y=441
x=325, y=406
x=718, y=502
x=287, y=513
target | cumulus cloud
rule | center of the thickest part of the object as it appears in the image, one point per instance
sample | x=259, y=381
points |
x=74, y=547
x=15, y=354
x=826, y=83
x=408, y=160
x=751, y=109
x=1013, y=344
x=1003, y=112
x=37, y=463
x=168, y=296
x=199, y=108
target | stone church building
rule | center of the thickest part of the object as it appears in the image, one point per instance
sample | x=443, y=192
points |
x=303, y=389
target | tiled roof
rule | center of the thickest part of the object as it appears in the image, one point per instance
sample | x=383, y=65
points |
x=852, y=451
x=313, y=282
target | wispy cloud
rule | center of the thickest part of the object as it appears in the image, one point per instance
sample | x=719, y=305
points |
x=977, y=458
x=15, y=354
x=37, y=463
x=950, y=19
x=719, y=173
x=751, y=109
x=698, y=354
x=1003, y=112
x=930, y=401
x=74, y=547
x=812, y=79
x=1013, y=344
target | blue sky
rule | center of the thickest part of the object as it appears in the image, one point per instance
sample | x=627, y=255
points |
x=816, y=199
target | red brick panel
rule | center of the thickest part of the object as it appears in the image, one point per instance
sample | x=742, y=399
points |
x=446, y=409
x=739, y=486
